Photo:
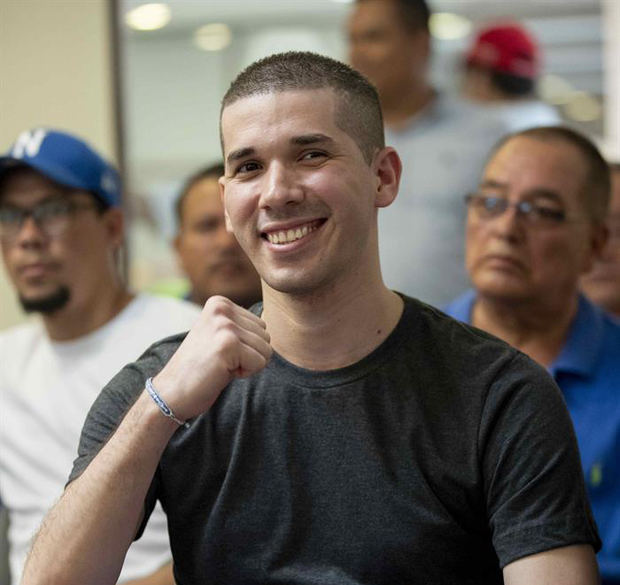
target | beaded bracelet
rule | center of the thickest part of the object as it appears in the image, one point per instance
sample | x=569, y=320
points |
x=162, y=403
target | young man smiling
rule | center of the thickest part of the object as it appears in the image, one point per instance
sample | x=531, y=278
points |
x=339, y=432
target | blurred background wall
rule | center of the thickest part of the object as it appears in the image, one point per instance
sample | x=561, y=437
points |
x=56, y=70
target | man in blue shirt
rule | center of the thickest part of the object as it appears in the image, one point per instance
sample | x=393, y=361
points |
x=535, y=225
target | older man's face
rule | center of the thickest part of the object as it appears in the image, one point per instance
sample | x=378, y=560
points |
x=513, y=257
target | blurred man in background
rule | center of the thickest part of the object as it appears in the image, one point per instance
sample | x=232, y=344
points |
x=61, y=229
x=534, y=227
x=442, y=142
x=602, y=284
x=211, y=256
x=502, y=67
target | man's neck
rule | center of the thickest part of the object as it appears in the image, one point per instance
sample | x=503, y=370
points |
x=330, y=330
x=400, y=107
x=76, y=320
x=537, y=329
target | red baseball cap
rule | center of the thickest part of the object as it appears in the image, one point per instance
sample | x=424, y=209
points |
x=506, y=48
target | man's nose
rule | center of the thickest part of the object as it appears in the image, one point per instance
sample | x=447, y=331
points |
x=29, y=233
x=509, y=224
x=280, y=186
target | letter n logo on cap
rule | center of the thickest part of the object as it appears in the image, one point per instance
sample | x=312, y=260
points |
x=28, y=143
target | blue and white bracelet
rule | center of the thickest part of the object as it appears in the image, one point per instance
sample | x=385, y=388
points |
x=162, y=403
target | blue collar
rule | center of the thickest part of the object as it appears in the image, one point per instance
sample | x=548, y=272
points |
x=580, y=353
x=583, y=345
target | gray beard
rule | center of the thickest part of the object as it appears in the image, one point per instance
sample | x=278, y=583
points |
x=46, y=305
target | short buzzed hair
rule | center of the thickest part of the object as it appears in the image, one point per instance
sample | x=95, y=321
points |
x=596, y=190
x=358, y=112
x=214, y=171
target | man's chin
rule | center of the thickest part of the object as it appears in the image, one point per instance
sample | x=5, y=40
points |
x=46, y=304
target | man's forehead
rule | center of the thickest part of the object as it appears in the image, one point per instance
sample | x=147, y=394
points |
x=553, y=169
x=206, y=189
x=524, y=155
x=261, y=109
x=25, y=182
x=27, y=186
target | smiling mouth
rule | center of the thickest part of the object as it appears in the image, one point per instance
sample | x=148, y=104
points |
x=290, y=235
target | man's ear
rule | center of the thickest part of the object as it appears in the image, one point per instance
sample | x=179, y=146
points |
x=114, y=222
x=421, y=43
x=222, y=185
x=599, y=236
x=387, y=169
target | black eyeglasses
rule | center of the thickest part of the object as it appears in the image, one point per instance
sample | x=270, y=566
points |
x=52, y=217
x=487, y=207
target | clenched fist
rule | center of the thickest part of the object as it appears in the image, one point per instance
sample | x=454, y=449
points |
x=226, y=342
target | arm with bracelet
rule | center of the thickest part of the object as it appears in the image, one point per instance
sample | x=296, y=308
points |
x=103, y=506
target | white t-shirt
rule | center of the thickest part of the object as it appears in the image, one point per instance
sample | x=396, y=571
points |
x=421, y=235
x=46, y=390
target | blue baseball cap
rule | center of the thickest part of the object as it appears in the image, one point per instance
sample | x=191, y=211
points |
x=67, y=160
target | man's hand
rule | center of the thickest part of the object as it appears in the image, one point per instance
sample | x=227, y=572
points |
x=226, y=342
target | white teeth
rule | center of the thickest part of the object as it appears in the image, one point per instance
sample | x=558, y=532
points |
x=288, y=236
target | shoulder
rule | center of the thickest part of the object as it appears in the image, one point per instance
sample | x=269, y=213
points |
x=611, y=328
x=177, y=308
x=469, y=115
x=450, y=334
x=464, y=356
x=460, y=308
x=121, y=391
x=163, y=315
x=21, y=339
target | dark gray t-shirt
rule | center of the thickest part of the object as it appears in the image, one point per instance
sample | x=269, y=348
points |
x=439, y=458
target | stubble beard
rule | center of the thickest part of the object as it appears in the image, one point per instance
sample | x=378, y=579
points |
x=48, y=304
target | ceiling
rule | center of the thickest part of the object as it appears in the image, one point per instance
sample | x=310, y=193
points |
x=189, y=13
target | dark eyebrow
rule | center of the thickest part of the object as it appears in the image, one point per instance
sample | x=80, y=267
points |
x=303, y=140
x=308, y=139
x=493, y=184
x=534, y=193
x=50, y=197
x=540, y=193
x=239, y=154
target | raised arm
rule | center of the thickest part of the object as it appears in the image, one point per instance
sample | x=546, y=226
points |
x=85, y=537
x=568, y=565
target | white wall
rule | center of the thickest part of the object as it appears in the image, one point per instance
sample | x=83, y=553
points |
x=55, y=69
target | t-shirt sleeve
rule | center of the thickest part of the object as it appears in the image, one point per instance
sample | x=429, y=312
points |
x=112, y=404
x=534, y=486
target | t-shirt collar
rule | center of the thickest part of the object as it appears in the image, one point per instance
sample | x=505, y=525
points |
x=581, y=350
